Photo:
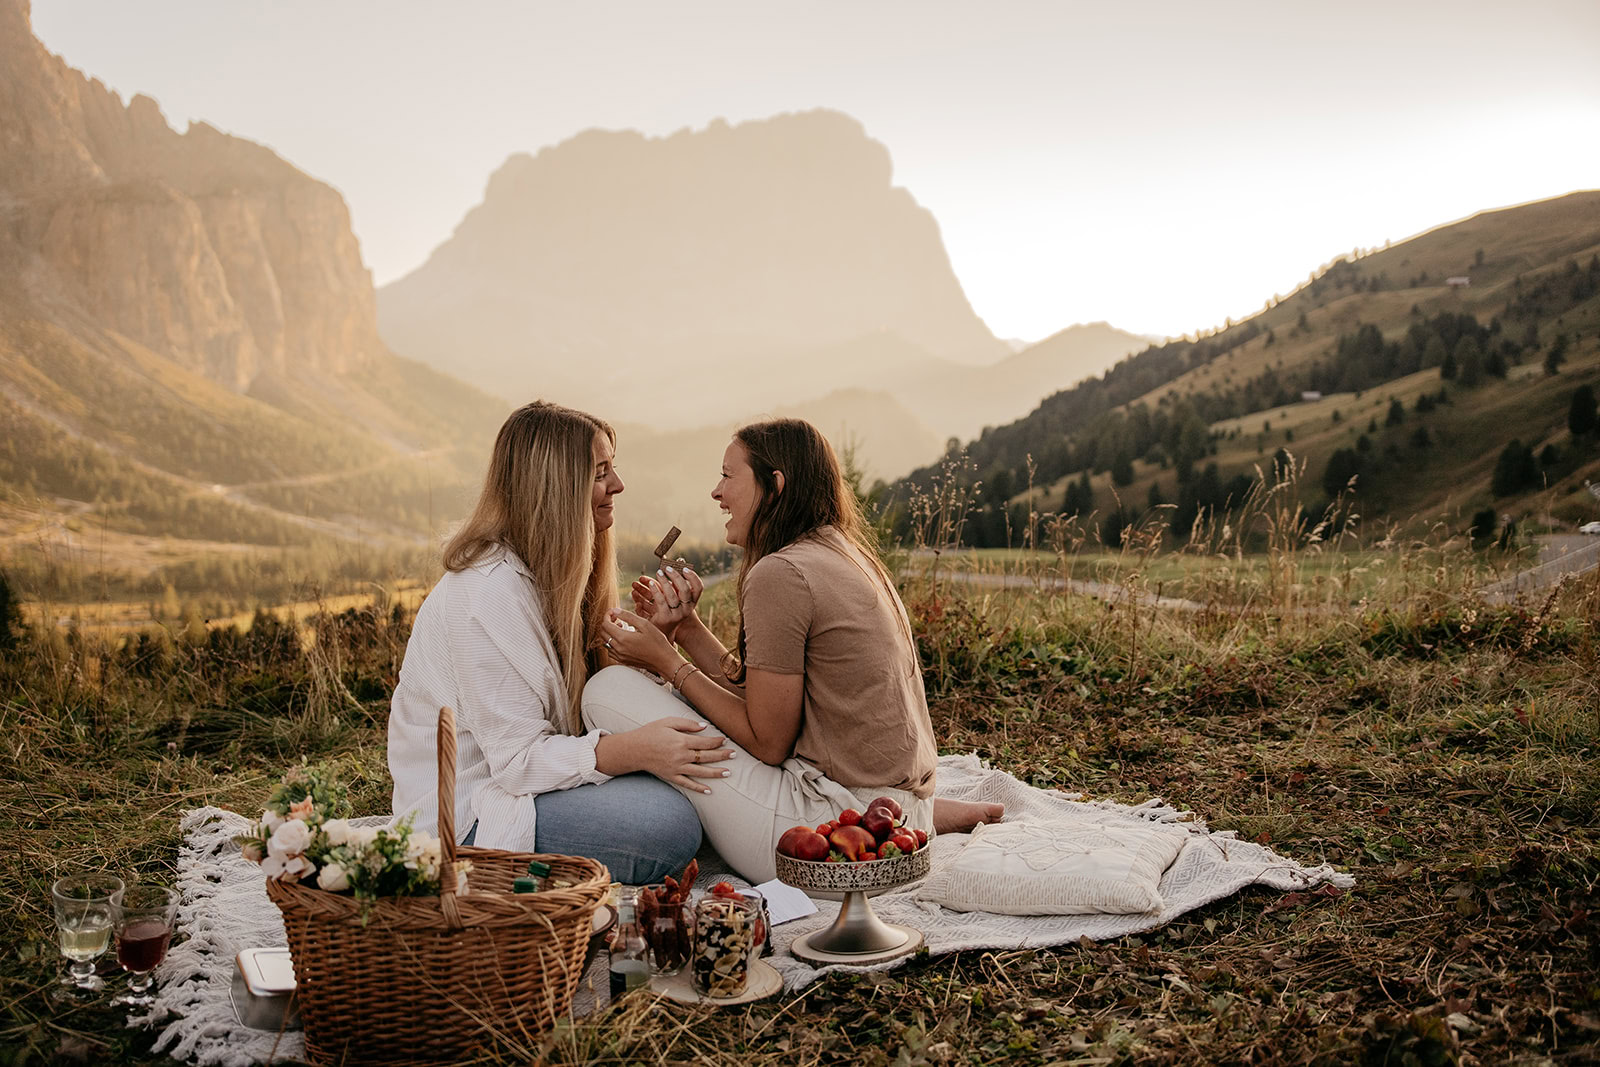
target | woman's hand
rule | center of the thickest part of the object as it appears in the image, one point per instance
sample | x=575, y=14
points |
x=635, y=642
x=670, y=598
x=677, y=751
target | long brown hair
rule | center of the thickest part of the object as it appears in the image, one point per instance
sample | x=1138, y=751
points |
x=537, y=502
x=815, y=494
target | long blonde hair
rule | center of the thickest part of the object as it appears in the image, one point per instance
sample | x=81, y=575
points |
x=536, y=501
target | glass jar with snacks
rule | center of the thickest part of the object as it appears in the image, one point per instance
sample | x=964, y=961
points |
x=763, y=931
x=667, y=921
x=724, y=944
x=668, y=927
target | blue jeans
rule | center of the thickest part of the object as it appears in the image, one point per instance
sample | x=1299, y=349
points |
x=640, y=827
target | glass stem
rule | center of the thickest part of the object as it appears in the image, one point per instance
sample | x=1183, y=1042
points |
x=82, y=972
x=138, y=982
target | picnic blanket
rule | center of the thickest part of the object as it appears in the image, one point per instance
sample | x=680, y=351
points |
x=225, y=908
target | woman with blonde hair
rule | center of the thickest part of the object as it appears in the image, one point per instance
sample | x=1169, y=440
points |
x=824, y=688
x=508, y=639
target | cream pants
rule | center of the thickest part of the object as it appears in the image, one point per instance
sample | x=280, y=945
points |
x=746, y=812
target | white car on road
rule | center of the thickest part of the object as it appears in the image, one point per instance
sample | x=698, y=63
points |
x=1590, y=528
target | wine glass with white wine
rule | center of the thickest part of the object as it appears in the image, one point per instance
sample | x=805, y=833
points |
x=83, y=925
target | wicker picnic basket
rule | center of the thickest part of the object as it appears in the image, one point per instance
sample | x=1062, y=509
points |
x=420, y=979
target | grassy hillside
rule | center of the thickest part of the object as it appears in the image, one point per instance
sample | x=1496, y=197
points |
x=1147, y=432
x=98, y=418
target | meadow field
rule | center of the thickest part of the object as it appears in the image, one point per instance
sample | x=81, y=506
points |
x=1441, y=749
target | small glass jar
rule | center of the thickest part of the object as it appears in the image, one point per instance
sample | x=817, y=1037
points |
x=763, y=931
x=724, y=945
x=669, y=930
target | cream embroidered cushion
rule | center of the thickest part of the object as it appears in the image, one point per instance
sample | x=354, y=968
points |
x=1056, y=869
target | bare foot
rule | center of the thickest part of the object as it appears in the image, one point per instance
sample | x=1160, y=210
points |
x=960, y=816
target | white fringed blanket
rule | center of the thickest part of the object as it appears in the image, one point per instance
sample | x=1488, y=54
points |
x=225, y=908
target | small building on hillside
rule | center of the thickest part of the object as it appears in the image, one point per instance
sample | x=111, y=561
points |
x=1307, y=396
x=1460, y=281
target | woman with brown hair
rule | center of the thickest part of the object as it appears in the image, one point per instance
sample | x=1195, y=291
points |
x=824, y=689
x=508, y=638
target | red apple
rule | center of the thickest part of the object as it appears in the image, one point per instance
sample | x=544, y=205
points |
x=852, y=841
x=879, y=822
x=885, y=802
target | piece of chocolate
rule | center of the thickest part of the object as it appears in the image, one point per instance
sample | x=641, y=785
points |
x=667, y=542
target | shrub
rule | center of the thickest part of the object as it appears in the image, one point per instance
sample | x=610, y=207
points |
x=1515, y=471
x=1581, y=415
x=1483, y=523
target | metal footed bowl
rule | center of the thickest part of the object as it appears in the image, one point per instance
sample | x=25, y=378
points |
x=838, y=878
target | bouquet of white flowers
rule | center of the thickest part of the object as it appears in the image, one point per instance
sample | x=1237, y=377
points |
x=304, y=837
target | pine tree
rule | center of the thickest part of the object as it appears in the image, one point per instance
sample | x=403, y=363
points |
x=1581, y=415
x=1515, y=471
x=1122, y=469
x=1557, y=354
x=1469, y=361
x=1343, y=465
x=1434, y=352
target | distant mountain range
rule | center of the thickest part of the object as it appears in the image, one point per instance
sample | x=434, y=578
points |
x=189, y=342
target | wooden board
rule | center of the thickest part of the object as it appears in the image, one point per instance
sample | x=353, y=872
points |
x=764, y=982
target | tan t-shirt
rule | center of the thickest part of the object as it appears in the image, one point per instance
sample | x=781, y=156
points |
x=817, y=608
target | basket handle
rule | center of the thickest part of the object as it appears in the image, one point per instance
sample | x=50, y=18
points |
x=447, y=818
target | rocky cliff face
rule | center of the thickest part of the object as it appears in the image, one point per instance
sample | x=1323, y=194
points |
x=205, y=248
x=614, y=258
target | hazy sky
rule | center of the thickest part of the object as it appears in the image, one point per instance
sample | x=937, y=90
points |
x=1160, y=165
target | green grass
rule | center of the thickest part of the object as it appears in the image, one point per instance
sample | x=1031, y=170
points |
x=1443, y=752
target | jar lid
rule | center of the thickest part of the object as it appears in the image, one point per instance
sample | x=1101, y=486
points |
x=524, y=885
x=538, y=868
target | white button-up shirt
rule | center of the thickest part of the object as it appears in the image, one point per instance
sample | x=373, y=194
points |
x=480, y=645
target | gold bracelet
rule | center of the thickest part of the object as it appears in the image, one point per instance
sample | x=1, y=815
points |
x=677, y=682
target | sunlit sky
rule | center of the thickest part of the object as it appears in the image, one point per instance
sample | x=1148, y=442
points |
x=1159, y=165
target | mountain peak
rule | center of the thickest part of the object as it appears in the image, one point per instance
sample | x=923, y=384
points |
x=756, y=241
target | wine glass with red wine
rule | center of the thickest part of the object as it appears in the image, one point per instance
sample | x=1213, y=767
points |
x=143, y=915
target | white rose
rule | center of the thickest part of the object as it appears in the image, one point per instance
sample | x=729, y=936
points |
x=271, y=820
x=417, y=849
x=290, y=839
x=338, y=831
x=334, y=878
x=290, y=868
x=431, y=859
x=362, y=836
